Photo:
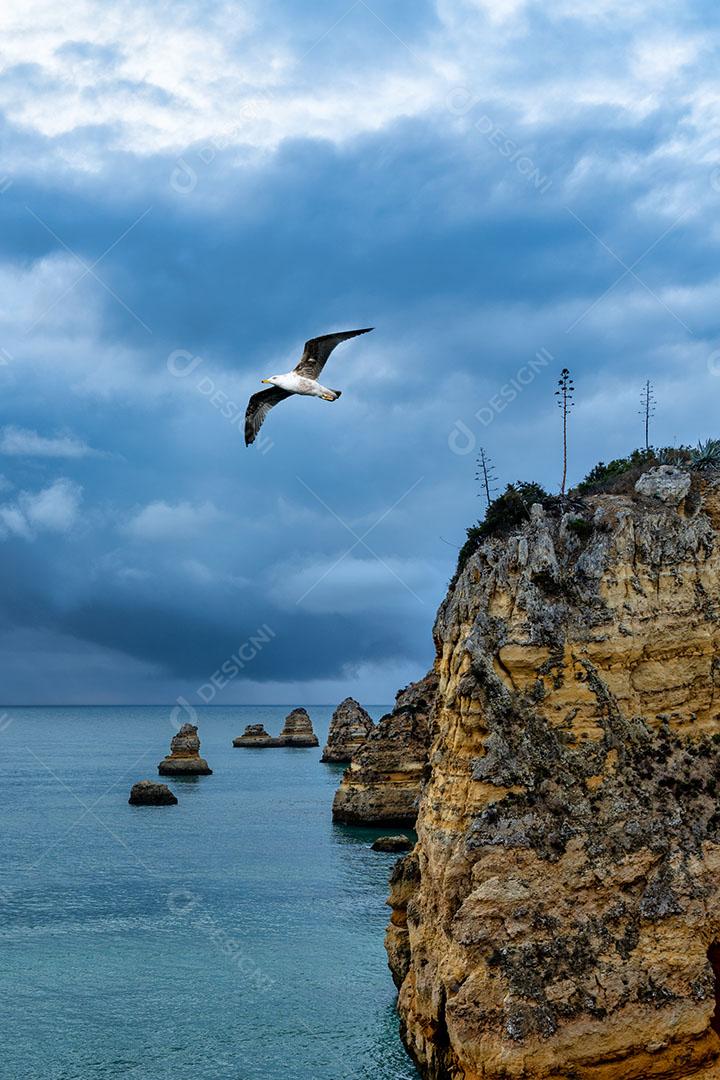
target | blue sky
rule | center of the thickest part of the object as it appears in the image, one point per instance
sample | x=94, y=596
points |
x=190, y=190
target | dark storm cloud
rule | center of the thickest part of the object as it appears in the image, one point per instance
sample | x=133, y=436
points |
x=473, y=240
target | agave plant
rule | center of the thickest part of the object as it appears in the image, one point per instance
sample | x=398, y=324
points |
x=671, y=455
x=706, y=455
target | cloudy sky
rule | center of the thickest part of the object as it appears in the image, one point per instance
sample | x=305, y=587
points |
x=189, y=190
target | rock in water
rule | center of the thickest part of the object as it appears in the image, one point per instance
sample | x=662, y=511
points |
x=349, y=728
x=149, y=793
x=382, y=785
x=392, y=843
x=184, y=757
x=298, y=730
x=255, y=735
x=560, y=914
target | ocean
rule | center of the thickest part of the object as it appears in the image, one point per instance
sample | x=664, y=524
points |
x=235, y=936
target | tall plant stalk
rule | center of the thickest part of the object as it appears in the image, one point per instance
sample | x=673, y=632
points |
x=564, y=393
x=486, y=475
x=648, y=409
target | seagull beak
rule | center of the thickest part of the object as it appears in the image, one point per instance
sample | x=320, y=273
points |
x=265, y=380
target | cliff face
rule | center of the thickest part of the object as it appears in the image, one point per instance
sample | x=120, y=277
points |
x=560, y=915
x=382, y=785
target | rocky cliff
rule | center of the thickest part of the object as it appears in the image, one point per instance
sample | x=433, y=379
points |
x=382, y=785
x=560, y=915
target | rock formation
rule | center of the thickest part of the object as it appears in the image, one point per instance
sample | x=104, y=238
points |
x=150, y=793
x=392, y=843
x=184, y=757
x=255, y=735
x=560, y=915
x=349, y=728
x=298, y=730
x=382, y=785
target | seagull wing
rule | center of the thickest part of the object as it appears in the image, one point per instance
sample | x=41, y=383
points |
x=318, y=349
x=259, y=406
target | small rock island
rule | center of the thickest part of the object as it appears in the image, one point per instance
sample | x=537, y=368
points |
x=184, y=757
x=349, y=728
x=392, y=844
x=255, y=735
x=298, y=731
x=150, y=793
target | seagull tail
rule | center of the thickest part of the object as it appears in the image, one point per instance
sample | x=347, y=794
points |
x=337, y=393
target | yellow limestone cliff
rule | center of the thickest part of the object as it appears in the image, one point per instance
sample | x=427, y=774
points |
x=559, y=917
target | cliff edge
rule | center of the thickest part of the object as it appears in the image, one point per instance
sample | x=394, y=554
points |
x=560, y=915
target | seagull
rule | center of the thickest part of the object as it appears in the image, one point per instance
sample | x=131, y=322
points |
x=301, y=380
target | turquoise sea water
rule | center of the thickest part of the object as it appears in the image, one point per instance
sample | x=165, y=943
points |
x=236, y=935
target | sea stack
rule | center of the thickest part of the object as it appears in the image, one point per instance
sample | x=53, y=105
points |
x=255, y=735
x=184, y=757
x=298, y=730
x=560, y=914
x=382, y=785
x=349, y=728
x=150, y=793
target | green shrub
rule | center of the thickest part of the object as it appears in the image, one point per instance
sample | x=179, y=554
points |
x=602, y=476
x=504, y=514
x=511, y=508
x=673, y=455
x=581, y=527
x=619, y=476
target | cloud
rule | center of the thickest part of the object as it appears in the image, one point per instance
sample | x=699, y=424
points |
x=53, y=509
x=346, y=584
x=238, y=76
x=22, y=442
x=399, y=192
x=163, y=521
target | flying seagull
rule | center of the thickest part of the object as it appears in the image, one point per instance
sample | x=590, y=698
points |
x=301, y=380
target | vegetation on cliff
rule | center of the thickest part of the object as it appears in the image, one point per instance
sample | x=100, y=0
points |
x=512, y=508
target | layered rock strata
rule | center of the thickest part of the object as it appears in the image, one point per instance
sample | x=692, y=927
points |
x=382, y=785
x=349, y=728
x=559, y=918
x=298, y=730
x=184, y=757
x=255, y=736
